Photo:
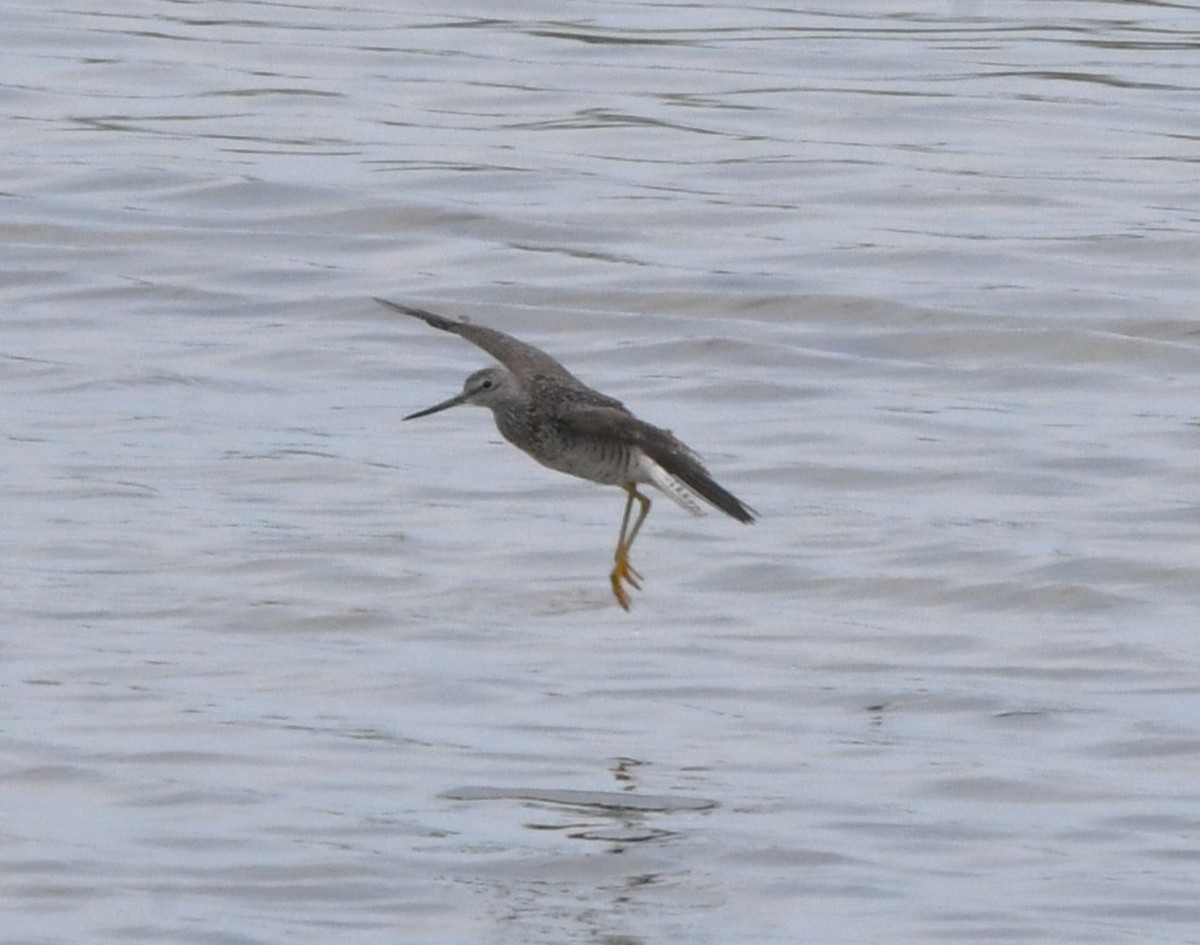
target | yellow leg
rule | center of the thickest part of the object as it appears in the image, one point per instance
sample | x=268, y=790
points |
x=623, y=571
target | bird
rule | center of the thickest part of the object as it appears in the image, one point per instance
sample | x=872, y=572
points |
x=543, y=409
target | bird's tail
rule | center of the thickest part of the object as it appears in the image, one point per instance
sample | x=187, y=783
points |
x=682, y=468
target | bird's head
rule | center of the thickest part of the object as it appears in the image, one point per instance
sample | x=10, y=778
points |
x=490, y=387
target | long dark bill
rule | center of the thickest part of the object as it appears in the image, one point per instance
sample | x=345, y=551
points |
x=444, y=405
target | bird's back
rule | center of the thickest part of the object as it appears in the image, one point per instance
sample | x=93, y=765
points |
x=542, y=420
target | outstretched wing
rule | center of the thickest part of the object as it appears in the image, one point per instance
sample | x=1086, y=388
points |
x=663, y=447
x=522, y=359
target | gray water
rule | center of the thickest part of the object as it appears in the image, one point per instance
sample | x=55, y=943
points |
x=919, y=282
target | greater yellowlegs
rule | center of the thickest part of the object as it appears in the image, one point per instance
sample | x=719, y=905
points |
x=542, y=408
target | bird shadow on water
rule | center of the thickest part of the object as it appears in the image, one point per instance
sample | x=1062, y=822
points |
x=555, y=894
x=619, y=816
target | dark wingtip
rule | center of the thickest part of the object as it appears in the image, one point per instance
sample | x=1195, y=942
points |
x=736, y=508
x=674, y=456
x=747, y=516
x=429, y=318
x=698, y=479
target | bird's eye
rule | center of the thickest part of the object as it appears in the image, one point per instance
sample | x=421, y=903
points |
x=487, y=384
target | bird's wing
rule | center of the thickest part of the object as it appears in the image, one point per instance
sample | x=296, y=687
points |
x=522, y=359
x=662, y=446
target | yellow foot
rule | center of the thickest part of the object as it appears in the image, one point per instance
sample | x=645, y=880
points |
x=624, y=571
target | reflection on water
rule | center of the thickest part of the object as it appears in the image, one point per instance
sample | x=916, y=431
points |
x=921, y=284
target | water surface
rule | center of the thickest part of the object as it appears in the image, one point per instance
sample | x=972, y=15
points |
x=919, y=284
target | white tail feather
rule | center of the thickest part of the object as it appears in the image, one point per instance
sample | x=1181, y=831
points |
x=678, y=492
